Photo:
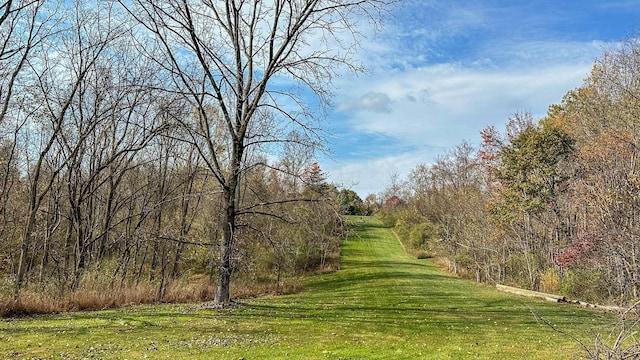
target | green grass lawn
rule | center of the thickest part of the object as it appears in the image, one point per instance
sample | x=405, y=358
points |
x=382, y=304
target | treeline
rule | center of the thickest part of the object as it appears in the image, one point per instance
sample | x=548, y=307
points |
x=550, y=204
x=133, y=170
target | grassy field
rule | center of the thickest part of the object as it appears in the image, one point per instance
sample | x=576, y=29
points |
x=382, y=304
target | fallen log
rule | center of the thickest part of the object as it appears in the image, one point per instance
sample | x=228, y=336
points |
x=556, y=298
x=530, y=293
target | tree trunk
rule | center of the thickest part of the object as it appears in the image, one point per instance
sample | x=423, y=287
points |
x=223, y=293
x=24, y=250
x=230, y=202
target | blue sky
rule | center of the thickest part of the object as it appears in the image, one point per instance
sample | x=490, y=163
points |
x=440, y=71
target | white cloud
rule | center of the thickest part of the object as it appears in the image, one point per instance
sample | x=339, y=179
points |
x=445, y=103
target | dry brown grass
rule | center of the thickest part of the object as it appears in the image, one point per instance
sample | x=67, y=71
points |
x=198, y=288
x=30, y=303
x=42, y=301
x=99, y=295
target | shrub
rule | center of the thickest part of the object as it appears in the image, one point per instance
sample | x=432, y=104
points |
x=584, y=284
x=388, y=218
x=550, y=281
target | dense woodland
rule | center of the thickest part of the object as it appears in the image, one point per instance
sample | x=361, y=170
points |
x=145, y=154
x=549, y=204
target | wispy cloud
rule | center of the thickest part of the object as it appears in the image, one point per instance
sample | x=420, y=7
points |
x=449, y=102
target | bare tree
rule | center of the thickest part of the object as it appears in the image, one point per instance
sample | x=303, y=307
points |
x=24, y=24
x=297, y=156
x=228, y=55
x=89, y=116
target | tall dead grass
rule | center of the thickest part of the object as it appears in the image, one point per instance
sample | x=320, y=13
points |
x=42, y=300
x=99, y=295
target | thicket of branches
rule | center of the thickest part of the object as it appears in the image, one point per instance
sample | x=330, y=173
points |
x=550, y=204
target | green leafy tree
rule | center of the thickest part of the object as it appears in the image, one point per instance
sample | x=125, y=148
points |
x=350, y=202
x=532, y=176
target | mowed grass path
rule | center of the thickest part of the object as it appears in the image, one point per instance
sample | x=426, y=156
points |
x=382, y=304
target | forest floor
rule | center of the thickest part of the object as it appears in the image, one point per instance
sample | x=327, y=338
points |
x=381, y=304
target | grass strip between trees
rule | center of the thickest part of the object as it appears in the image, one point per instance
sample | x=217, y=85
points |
x=382, y=304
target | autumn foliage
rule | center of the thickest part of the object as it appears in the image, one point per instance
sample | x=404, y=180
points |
x=551, y=203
